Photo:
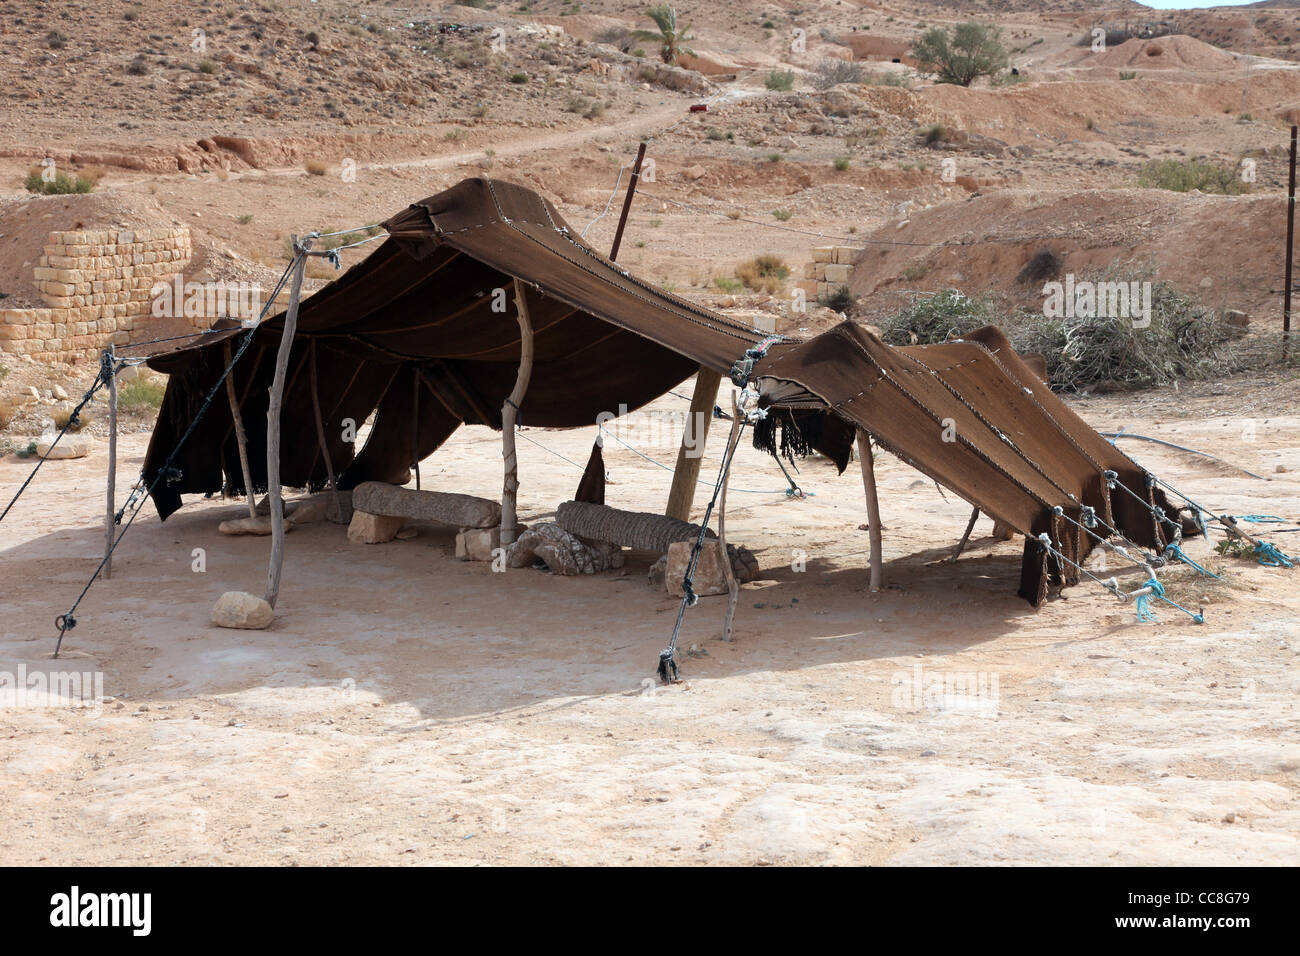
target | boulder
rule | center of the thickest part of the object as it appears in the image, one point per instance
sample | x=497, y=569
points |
x=367, y=528
x=67, y=448
x=477, y=544
x=243, y=610
x=710, y=574
x=465, y=511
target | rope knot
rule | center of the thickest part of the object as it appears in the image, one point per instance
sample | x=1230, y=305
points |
x=1111, y=478
x=1089, y=516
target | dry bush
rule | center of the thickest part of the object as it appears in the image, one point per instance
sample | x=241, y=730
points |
x=315, y=167
x=63, y=419
x=766, y=273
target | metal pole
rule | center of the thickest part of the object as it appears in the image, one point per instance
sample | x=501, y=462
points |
x=1290, y=239
x=627, y=202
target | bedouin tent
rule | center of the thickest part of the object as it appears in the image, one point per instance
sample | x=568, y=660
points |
x=422, y=334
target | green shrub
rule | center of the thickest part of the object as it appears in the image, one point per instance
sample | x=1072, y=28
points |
x=61, y=185
x=782, y=215
x=933, y=318
x=841, y=163
x=780, y=81
x=971, y=50
x=141, y=395
x=1185, y=175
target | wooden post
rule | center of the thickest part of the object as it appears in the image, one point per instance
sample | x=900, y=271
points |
x=273, y=424
x=110, y=360
x=868, y=463
x=1290, y=240
x=509, y=413
x=627, y=202
x=733, y=587
x=689, y=457
x=320, y=436
x=241, y=439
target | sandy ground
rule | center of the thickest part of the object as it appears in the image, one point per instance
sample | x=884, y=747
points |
x=408, y=708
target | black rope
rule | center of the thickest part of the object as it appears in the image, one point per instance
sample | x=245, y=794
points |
x=106, y=373
x=668, y=656
x=168, y=471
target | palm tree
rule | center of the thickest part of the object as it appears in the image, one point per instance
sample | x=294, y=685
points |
x=672, y=42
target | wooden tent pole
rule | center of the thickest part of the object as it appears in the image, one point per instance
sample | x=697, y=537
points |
x=733, y=586
x=868, y=462
x=110, y=360
x=320, y=435
x=241, y=438
x=273, y=423
x=509, y=414
x=627, y=202
x=689, y=457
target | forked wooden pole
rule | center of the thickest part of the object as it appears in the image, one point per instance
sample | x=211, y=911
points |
x=689, y=457
x=110, y=360
x=868, y=463
x=241, y=438
x=273, y=424
x=509, y=415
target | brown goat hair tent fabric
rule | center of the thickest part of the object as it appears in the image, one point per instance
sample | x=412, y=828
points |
x=423, y=335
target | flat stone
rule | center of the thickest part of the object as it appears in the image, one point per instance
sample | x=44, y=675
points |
x=243, y=610
x=462, y=511
x=367, y=528
x=261, y=525
x=66, y=448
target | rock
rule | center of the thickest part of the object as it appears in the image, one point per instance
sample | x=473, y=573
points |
x=260, y=525
x=241, y=609
x=1229, y=817
x=694, y=172
x=406, y=534
x=367, y=528
x=563, y=553
x=67, y=448
x=1280, y=470
x=710, y=575
x=465, y=511
x=59, y=393
x=311, y=510
x=1003, y=532
x=1237, y=320
x=477, y=544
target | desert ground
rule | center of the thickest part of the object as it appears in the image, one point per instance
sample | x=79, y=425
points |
x=408, y=708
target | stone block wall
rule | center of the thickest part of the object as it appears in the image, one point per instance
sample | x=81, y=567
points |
x=829, y=271
x=96, y=285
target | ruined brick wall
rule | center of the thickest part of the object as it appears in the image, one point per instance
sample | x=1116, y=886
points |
x=96, y=285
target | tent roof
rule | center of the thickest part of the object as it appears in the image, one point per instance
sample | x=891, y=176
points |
x=424, y=334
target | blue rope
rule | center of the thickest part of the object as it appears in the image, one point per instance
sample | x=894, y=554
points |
x=1143, y=602
x=1144, y=611
x=1180, y=555
x=1271, y=557
x=1260, y=519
